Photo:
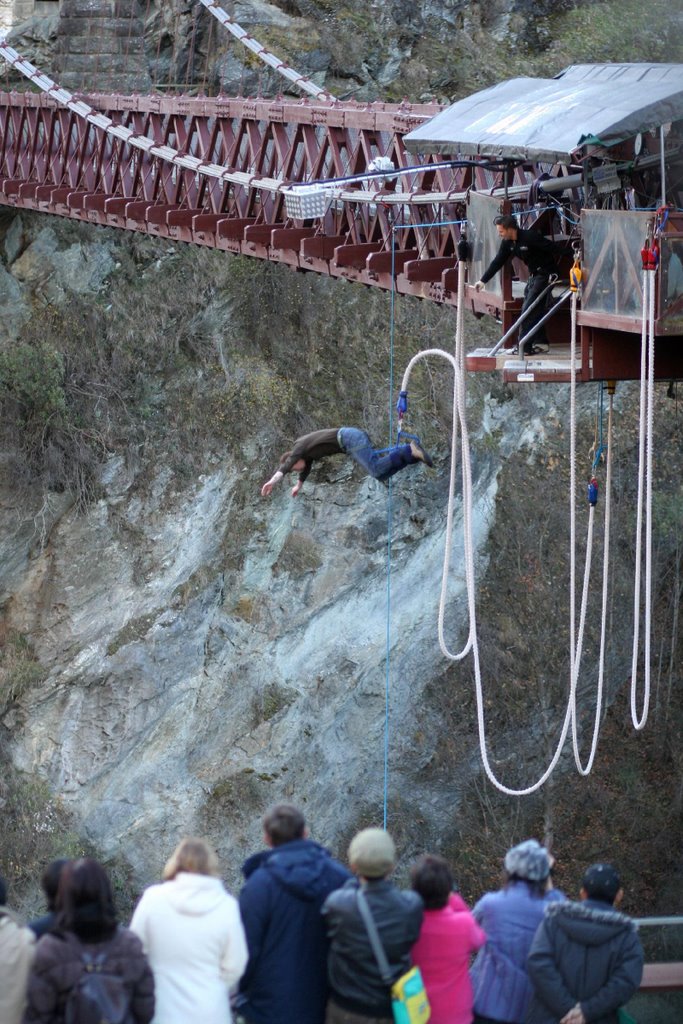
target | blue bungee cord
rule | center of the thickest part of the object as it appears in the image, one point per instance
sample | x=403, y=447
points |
x=402, y=408
x=387, y=678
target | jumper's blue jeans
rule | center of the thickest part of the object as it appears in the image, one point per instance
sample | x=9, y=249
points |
x=379, y=464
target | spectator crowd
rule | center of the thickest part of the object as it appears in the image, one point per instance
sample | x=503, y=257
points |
x=297, y=947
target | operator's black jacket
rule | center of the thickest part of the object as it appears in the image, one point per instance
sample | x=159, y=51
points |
x=354, y=977
x=583, y=953
x=533, y=248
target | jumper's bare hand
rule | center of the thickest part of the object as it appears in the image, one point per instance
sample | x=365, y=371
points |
x=269, y=484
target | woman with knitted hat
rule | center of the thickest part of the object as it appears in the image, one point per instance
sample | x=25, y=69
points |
x=510, y=917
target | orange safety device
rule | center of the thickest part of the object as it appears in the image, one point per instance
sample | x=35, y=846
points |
x=575, y=276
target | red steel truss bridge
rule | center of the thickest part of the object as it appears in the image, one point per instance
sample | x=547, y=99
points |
x=329, y=186
x=219, y=171
x=55, y=161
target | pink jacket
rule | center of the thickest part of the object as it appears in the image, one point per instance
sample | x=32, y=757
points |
x=447, y=940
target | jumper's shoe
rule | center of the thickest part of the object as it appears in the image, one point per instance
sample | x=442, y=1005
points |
x=534, y=349
x=420, y=454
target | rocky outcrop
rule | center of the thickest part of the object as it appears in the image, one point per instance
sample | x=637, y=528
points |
x=100, y=46
x=421, y=51
x=187, y=652
x=191, y=652
x=204, y=652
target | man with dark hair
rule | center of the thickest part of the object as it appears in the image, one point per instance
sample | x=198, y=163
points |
x=286, y=885
x=586, y=960
x=538, y=252
x=380, y=464
x=283, y=823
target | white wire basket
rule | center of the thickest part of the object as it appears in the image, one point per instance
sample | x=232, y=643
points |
x=302, y=202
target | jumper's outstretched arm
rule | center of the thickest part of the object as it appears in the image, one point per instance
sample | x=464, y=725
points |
x=269, y=484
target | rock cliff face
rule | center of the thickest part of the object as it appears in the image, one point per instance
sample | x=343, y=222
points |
x=199, y=652
x=177, y=653
x=420, y=50
x=101, y=45
x=206, y=651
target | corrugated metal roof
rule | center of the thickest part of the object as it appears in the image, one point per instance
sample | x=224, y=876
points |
x=548, y=119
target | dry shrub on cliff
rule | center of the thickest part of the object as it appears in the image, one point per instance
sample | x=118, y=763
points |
x=195, y=351
x=46, y=398
x=84, y=379
x=35, y=831
x=19, y=667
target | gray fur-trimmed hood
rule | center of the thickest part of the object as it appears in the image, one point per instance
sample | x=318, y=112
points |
x=591, y=923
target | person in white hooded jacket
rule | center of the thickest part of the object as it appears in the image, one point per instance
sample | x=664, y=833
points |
x=17, y=945
x=192, y=933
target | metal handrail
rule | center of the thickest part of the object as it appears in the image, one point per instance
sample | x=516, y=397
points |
x=654, y=922
x=565, y=295
x=520, y=320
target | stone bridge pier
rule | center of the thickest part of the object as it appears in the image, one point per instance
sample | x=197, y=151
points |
x=100, y=46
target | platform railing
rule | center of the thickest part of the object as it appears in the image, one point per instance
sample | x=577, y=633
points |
x=660, y=998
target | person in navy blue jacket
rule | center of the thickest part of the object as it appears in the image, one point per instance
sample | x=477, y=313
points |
x=586, y=960
x=286, y=886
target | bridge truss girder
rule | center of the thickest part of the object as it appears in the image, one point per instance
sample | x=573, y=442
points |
x=55, y=161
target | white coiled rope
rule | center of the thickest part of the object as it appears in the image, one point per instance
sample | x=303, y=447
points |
x=575, y=650
x=645, y=461
x=472, y=644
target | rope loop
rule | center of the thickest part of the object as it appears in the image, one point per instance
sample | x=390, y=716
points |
x=644, y=501
x=457, y=361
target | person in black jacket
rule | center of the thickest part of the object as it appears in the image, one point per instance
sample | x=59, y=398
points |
x=538, y=252
x=586, y=959
x=286, y=976
x=359, y=995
